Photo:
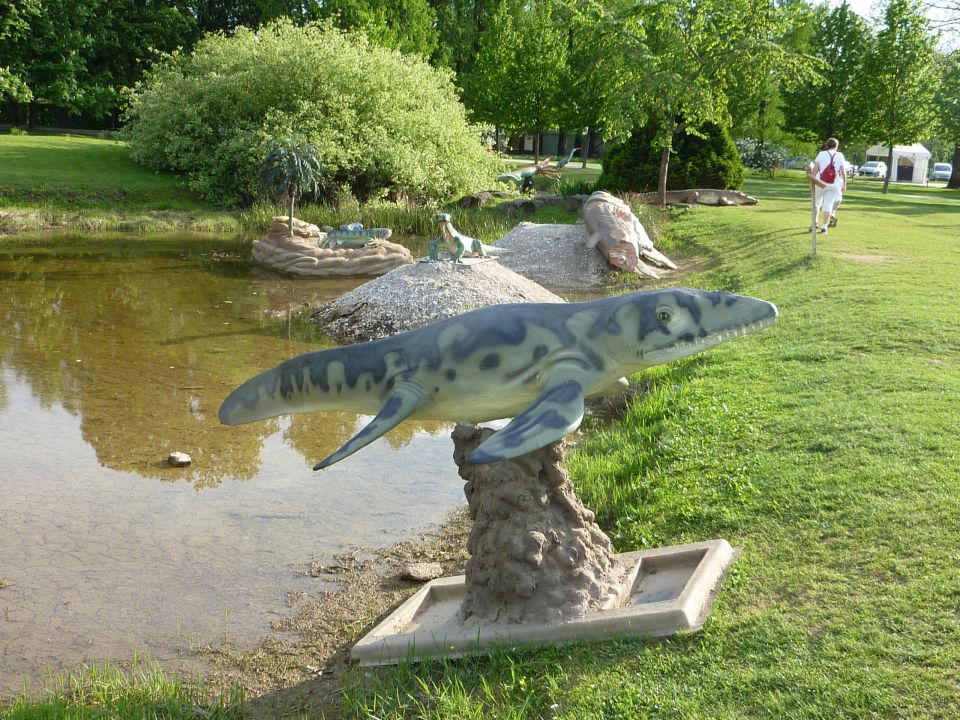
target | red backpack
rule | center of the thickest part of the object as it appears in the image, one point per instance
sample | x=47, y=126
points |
x=829, y=173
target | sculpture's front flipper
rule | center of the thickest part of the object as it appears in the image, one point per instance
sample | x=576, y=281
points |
x=404, y=399
x=557, y=411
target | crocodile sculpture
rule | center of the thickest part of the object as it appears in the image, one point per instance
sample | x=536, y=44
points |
x=698, y=196
x=616, y=231
x=534, y=362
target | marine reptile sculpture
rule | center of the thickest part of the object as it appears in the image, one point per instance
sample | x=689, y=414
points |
x=536, y=363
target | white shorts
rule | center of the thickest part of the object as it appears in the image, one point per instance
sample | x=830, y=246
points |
x=828, y=197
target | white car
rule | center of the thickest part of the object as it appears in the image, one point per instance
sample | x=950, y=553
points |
x=941, y=171
x=873, y=168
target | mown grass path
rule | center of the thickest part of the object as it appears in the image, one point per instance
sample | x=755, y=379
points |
x=825, y=446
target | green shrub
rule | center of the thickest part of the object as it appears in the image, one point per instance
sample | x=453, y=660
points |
x=710, y=162
x=384, y=124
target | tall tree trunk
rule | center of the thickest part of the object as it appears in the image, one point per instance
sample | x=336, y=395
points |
x=886, y=180
x=562, y=143
x=591, y=139
x=536, y=146
x=954, y=182
x=665, y=163
x=662, y=178
x=290, y=196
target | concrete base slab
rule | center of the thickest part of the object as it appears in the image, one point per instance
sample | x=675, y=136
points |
x=672, y=589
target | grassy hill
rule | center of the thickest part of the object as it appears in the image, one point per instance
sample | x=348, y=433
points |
x=53, y=181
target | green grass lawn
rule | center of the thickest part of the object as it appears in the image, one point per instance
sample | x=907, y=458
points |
x=825, y=446
x=51, y=181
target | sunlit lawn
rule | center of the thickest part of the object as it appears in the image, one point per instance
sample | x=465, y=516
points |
x=825, y=446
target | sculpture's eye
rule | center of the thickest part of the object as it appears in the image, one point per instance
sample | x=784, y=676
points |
x=663, y=315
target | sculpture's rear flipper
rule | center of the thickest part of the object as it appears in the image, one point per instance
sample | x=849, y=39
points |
x=557, y=411
x=404, y=399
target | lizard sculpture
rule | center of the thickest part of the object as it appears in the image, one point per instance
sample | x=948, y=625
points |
x=353, y=235
x=456, y=243
x=533, y=362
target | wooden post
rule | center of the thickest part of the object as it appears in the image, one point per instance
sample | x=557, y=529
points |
x=815, y=182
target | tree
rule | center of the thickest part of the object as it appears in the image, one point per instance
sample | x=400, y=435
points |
x=826, y=105
x=129, y=36
x=50, y=59
x=520, y=65
x=227, y=15
x=15, y=19
x=672, y=63
x=460, y=23
x=899, y=79
x=290, y=167
x=488, y=82
x=77, y=57
x=405, y=25
x=947, y=101
x=534, y=84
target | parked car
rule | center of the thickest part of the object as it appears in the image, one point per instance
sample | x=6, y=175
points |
x=941, y=171
x=849, y=168
x=873, y=168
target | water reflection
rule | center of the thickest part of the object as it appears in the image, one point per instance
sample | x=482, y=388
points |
x=144, y=346
x=113, y=355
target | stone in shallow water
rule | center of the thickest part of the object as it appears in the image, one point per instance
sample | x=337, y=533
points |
x=179, y=459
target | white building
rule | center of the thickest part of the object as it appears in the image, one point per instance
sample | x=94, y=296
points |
x=909, y=161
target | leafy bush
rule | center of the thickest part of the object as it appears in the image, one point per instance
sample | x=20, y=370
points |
x=710, y=162
x=383, y=123
x=765, y=157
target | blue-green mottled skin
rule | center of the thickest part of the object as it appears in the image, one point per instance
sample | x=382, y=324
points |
x=533, y=362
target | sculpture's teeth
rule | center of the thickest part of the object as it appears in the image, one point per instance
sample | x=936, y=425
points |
x=657, y=257
x=645, y=269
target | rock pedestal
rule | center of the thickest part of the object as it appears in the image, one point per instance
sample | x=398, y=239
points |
x=300, y=254
x=536, y=553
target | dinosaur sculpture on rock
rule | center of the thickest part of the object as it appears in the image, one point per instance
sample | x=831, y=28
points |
x=534, y=362
x=612, y=227
x=301, y=252
x=456, y=243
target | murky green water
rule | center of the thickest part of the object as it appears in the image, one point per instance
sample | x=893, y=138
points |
x=113, y=354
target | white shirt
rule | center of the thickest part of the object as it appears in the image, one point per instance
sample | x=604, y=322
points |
x=839, y=162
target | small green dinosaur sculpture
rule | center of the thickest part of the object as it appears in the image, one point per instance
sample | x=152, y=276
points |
x=455, y=242
x=352, y=236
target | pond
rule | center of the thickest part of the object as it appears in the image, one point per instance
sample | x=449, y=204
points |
x=114, y=353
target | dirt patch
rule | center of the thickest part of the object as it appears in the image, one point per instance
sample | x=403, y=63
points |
x=863, y=259
x=300, y=668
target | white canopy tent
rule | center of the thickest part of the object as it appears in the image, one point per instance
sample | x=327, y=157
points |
x=909, y=161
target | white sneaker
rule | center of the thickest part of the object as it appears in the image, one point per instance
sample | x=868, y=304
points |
x=823, y=230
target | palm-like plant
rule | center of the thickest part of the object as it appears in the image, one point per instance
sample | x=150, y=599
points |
x=290, y=168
